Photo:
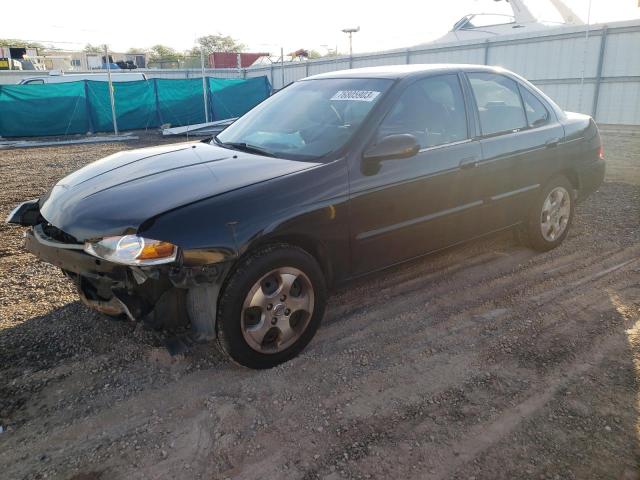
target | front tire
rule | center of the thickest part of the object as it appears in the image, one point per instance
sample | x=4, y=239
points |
x=550, y=216
x=271, y=307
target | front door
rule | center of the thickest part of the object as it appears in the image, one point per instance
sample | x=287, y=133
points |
x=408, y=207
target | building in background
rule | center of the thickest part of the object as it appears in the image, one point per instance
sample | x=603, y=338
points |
x=19, y=58
x=233, y=60
x=138, y=59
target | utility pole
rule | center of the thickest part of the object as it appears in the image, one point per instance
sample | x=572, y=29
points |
x=584, y=54
x=113, y=101
x=204, y=86
x=351, y=31
x=282, y=65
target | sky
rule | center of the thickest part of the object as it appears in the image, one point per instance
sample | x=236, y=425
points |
x=264, y=26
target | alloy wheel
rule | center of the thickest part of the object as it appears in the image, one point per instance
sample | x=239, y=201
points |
x=556, y=211
x=277, y=310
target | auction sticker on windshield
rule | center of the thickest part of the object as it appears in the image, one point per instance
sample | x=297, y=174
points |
x=356, y=95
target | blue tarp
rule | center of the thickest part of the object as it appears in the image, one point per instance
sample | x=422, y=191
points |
x=84, y=106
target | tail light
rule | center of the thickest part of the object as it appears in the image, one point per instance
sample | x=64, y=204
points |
x=601, y=152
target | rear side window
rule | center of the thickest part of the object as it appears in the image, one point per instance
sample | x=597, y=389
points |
x=537, y=114
x=34, y=82
x=498, y=102
x=432, y=110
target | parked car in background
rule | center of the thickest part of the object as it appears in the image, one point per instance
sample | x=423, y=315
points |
x=75, y=77
x=126, y=64
x=334, y=177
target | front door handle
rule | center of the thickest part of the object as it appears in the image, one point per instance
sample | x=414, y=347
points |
x=552, y=142
x=468, y=162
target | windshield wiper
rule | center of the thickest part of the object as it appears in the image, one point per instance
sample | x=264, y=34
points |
x=245, y=147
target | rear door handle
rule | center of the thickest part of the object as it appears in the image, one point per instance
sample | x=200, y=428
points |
x=468, y=162
x=552, y=142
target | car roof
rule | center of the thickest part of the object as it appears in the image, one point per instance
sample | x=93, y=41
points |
x=401, y=71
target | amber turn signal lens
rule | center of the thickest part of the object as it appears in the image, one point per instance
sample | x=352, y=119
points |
x=155, y=249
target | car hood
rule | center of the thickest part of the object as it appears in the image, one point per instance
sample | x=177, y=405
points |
x=113, y=196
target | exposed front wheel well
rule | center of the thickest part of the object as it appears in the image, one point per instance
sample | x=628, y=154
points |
x=312, y=247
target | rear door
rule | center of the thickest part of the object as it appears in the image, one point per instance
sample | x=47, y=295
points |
x=409, y=207
x=519, y=139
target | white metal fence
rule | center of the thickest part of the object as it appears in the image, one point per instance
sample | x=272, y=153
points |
x=595, y=71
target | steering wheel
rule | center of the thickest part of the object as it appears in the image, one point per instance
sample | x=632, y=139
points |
x=335, y=110
x=323, y=116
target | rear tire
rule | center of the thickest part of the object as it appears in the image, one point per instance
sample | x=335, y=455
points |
x=551, y=215
x=271, y=306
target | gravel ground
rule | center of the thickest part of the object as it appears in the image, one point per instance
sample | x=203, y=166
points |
x=484, y=361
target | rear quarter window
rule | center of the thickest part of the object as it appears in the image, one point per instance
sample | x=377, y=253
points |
x=537, y=113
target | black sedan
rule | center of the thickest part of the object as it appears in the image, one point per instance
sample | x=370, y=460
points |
x=336, y=176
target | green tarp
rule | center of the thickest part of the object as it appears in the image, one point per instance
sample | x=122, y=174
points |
x=233, y=97
x=84, y=106
x=135, y=105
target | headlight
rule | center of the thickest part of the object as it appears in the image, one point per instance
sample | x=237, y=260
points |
x=132, y=250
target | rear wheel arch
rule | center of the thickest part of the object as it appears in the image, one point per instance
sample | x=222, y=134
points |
x=571, y=175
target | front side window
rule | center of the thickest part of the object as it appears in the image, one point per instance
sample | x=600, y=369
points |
x=307, y=120
x=431, y=109
x=537, y=114
x=498, y=102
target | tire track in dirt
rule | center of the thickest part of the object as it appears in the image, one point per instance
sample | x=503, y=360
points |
x=483, y=436
x=388, y=401
x=382, y=378
x=447, y=367
x=534, y=399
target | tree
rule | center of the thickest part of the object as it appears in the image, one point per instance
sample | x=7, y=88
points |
x=162, y=52
x=300, y=53
x=217, y=43
x=16, y=42
x=139, y=51
x=304, y=53
x=88, y=48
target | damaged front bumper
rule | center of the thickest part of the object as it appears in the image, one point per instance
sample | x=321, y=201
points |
x=163, y=296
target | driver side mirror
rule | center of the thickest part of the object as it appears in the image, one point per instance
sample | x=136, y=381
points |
x=392, y=147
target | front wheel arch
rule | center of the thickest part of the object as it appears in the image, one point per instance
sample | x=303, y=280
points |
x=313, y=247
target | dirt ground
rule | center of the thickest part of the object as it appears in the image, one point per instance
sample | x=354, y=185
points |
x=486, y=361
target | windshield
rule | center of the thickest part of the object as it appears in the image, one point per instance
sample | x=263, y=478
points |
x=308, y=119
